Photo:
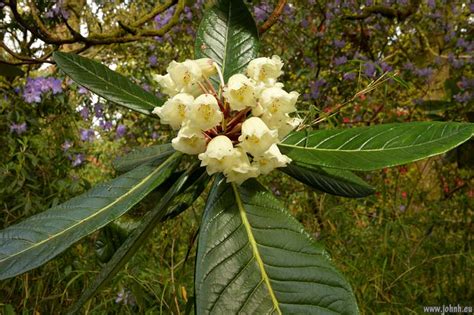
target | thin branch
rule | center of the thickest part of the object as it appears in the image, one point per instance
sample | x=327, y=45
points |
x=388, y=12
x=273, y=18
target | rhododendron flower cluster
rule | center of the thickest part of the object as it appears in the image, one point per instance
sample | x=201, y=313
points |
x=235, y=128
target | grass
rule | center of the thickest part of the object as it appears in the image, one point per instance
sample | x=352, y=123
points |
x=397, y=259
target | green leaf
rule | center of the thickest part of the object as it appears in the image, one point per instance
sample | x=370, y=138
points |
x=36, y=240
x=155, y=153
x=10, y=71
x=179, y=197
x=228, y=35
x=375, y=147
x=330, y=180
x=255, y=258
x=106, y=83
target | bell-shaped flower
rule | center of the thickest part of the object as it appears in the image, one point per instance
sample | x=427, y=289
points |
x=241, y=169
x=185, y=74
x=174, y=110
x=207, y=66
x=256, y=137
x=219, y=156
x=167, y=85
x=265, y=70
x=270, y=160
x=241, y=92
x=204, y=113
x=190, y=140
x=288, y=125
x=276, y=101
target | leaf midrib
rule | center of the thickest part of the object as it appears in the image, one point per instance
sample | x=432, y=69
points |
x=377, y=150
x=72, y=60
x=253, y=245
x=89, y=217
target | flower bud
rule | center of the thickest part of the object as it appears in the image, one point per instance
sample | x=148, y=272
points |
x=204, y=113
x=173, y=112
x=189, y=140
x=256, y=137
x=270, y=160
x=265, y=70
x=219, y=156
x=167, y=85
x=241, y=92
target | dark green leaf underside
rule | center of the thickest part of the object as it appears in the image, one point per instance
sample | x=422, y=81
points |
x=330, y=180
x=155, y=154
x=106, y=83
x=36, y=240
x=375, y=147
x=254, y=258
x=228, y=35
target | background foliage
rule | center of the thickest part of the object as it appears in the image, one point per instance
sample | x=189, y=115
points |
x=408, y=245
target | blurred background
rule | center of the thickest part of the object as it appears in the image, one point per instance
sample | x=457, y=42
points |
x=355, y=63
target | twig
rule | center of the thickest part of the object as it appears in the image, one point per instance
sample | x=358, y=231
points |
x=273, y=18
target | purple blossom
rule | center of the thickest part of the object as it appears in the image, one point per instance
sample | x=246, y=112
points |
x=350, y=76
x=152, y=60
x=78, y=159
x=66, y=145
x=163, y=18
x=432, y=4
x=424, y=72
x=339, y=43
x=99, y=110
x=87, y=135
x=309, y=62
x=385, y=66
x=188, y=13
x=84, y=113
x=466, y=83
x=463, y=97
x=18, y=128
x=304, y=23
x=105, y=125
x=340, y=60
x=155, y=135
x=316, y=88
x=261, y=12
x=82, y=90
x=402, y=208
x=409, y=66
x=36, y=87
x=121, y=130
x=370, y=69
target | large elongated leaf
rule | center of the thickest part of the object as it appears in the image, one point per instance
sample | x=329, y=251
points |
x=370, y=148
x=39, y=238
x=228, y=35
x=330, y=180
x=254, y=258
x=140, y=156
x=106, y=83
x=178, y=198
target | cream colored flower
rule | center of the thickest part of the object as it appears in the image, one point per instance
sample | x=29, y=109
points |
x=167, y=85
x=270, y=160
x=190, y=140
x=265, y=70
x=219, y=156
x=173, y=112
x=241, y=169
x=256, y=137
x=241, y=92
x=289, y=124
x=276, y=101
x=207, y=66
x=185, y=74
x=204, y=113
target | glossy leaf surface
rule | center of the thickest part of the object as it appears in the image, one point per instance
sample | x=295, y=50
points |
x=155, y=153
x=375, y=147
x=330, y=180
x=255, y=258
x=228, y=35
x=36, y=240
x=106, y=83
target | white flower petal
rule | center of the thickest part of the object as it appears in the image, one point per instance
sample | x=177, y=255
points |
x=173, y=112
x=241, y=92
x=241, y=169
x=270, y=160
x=204, y=113
x=256, y=137
x=167, y=85
x=265, y=70
x=189, y=140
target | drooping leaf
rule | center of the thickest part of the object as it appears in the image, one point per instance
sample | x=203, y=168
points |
x=330, y=180
x=255, y=258
x=10, y=71
x=178, y=198
x=155, y=153
x=106, y=83
x=375, y=147
x=36, y=240
x=228, y=35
